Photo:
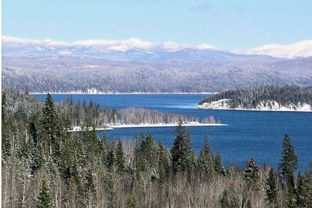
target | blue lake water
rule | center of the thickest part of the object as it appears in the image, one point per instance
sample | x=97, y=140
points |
x=249, y=134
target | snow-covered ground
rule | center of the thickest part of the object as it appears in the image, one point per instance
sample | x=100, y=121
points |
x=165, y=125
x=270, y=105
x=144, y=125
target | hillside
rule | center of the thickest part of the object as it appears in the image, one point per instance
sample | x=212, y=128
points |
x=69, y=73
x=262, y=98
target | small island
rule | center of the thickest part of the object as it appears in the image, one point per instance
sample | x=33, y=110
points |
x=264, y=98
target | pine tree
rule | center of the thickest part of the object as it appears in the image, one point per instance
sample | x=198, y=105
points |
x=103, y=147
x=49, y=122
x=147, y=154
x=92, y=145
x=90, y=188
x=44, y=199
x=110, y=158
x=301, y=192
x=6, y=132
x=37, y=158
x=289, y=161
x=271, y=189
x=205, y=161
x=304, y=189
x=218, y=168
x=252, y=173
x=34, y=131
x=163, y=163
x=120, y=158
x=181, y=152
x=307, y=184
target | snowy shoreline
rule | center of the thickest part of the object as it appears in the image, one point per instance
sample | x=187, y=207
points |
x=255, y=109
x=270, y=105
x=112, y=127
x=123, y=93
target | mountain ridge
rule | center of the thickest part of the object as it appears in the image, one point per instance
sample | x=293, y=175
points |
x=139, y=70
x=12, y=45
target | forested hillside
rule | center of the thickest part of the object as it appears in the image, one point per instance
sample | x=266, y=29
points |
x=183, y=74
x=270, y=97
x=43, y=165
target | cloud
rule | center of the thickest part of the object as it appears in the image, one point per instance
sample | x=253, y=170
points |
x=202, y=7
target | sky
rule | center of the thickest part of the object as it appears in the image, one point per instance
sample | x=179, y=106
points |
x=225, y=24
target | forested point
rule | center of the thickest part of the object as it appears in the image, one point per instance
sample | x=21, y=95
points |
x=44, y=165
x=252, y=97
x=90, y=114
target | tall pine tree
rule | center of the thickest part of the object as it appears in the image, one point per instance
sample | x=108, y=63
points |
x=252, y=174
x=205, y=160
x=289, y=161
x=120, y=157
x=288, y=165
x=271, y=189
x=181, y=152
x=49, y=123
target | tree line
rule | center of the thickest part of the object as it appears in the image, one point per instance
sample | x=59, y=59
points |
x=43, y=165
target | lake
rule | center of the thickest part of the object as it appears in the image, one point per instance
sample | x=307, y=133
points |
x=249, y=134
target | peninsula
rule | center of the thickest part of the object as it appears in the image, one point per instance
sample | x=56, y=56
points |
x=263, y=98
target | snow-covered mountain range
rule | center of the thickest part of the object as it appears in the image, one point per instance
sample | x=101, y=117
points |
x=137, y=66
x=134, y=48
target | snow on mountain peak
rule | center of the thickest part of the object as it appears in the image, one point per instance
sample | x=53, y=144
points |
x=205, y=46
x=117, y=45
x=113, y=45
x=299, y=49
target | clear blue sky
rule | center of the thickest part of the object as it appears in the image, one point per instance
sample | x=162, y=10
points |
x=226, y=24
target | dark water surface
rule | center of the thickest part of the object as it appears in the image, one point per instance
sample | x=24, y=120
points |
x=249, y=134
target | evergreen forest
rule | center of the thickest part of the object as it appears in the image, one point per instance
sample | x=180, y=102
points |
x=44, y=165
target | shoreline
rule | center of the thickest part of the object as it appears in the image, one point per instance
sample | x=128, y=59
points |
x=254, y=109
x=119, y=126
x=125, y=93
